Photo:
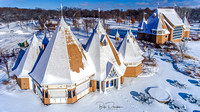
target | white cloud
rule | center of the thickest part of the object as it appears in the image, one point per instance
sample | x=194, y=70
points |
x=142, y=3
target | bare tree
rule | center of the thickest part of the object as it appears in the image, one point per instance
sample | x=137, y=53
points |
x=87, y=25
x=133, y=20
x=7, y=60
x=77, y=25
x=119, y=20
x=182, y=49
x=150, y=54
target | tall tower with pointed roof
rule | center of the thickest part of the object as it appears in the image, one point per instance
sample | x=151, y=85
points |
x=109, y=67
x=27, y=63
x=131, y=53
x=64, y=70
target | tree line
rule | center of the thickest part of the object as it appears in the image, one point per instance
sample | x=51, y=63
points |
x=16, y=14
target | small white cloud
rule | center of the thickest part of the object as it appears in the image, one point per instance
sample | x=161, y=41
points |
x=142, y=3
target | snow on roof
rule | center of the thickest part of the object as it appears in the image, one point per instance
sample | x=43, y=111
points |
x=157, y=22
x=160, y=25
x=130, y=51
x=142, y=24
x=101, y=54
x=117, y=34
x=168, y=24
x=63, y=61
x=29, y=58
x=185, y=22
x=171, y=15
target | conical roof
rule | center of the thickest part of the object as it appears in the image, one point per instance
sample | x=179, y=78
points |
x=117, y=34
x=29, y=58
x=102, y=52
x=185, y=22
x=130, y=51
x=63, y=61
x=158, y=25
x=135, y=42
x=143, y=24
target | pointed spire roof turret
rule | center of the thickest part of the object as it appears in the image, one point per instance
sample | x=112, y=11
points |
x=117, y=34
x=63, y=61
x=185, y=22
x=29, y=58
x=131, y=34
x=102, y=52
x=130, y=51
x=158, y=25
x=143, y=24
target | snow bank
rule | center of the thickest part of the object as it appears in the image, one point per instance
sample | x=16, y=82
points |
x=21, y=32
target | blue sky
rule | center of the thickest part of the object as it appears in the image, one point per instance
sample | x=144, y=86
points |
x=94, y=4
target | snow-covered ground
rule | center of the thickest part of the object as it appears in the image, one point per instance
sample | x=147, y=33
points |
x=13, y=99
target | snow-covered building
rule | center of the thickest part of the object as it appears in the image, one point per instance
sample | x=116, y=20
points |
x=63, y=72
x=131, y=53
x=27, y=63
x=163, y=25
x=109, y=69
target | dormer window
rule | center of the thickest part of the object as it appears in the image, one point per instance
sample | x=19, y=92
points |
x=127, y=40
x=159, y=32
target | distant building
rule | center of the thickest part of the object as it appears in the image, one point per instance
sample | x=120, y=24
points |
x=163, y=25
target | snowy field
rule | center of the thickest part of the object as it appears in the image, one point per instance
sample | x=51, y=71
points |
x=13, y=99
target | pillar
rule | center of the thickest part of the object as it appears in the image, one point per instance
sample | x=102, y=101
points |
x=100, y=87
x=118, y=83
x=104, y=86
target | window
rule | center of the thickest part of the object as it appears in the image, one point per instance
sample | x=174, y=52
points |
x=165, y=36
x=115, y=82
x=111, y=83
x=107, y=84
x=69, y=94
x=112, y=75
x=90, y=83
x=104, y=43
x=177, y=33
x=97, y=84
x=46, y=94
x=74, y=94
x=127, y=40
